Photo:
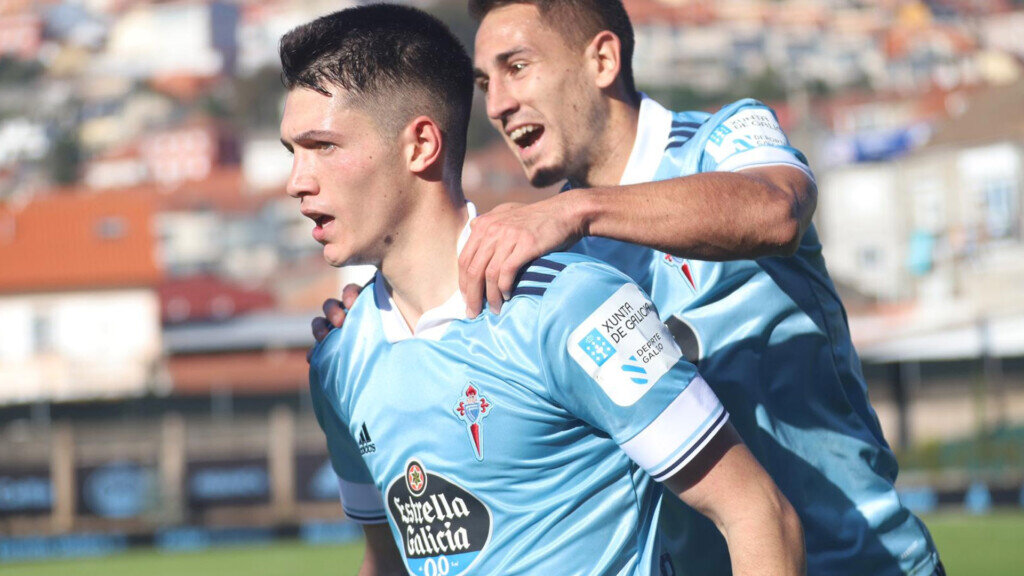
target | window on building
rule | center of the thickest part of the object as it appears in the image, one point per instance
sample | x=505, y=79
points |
x=111, y=227
x=42, y=333
x=1000, y=206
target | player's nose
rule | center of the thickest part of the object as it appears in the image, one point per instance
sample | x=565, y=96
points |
x=301, y=181
x=500, y=101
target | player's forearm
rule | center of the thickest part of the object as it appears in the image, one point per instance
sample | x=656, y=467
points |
x=710, y=216
x=767, y=542
x=381, y=556
x=375, y=566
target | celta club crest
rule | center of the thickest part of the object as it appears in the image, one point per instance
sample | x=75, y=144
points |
x=684, y=269
x=471, y=409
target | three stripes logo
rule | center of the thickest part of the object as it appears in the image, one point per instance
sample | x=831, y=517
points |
x=366, y=445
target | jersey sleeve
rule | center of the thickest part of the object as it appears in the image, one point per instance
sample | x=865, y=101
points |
x=360, y=497
x=612, y=363
x=747, y=134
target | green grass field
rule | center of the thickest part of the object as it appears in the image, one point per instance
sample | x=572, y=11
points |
x=970, y=545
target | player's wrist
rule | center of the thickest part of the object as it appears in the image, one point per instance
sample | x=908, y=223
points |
x=582, y=210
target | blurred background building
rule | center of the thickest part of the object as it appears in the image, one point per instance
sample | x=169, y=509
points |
x=156, y=284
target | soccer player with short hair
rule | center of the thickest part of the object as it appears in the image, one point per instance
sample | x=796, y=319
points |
x=525, y=443
x=647, y=185
x=665, y=197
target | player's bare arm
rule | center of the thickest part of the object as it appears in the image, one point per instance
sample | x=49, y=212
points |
x=749, y=214
x=759, y=524
x=381, y=557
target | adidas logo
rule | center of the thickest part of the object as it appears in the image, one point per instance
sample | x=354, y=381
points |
x=366, y=445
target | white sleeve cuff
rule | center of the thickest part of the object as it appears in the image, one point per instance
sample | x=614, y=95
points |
x=362, y=503
x=763, y=156
x=680, y=432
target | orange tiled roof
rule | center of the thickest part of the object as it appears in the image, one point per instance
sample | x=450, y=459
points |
x=74, y=240
x=222, y=190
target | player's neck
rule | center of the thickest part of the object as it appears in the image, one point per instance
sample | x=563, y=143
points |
x=609, y=154
x=421, y=267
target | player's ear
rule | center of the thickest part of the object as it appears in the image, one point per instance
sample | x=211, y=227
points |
x=423, y=139
x=604, y=57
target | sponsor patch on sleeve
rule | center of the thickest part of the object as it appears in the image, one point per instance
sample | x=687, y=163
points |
x=624, y=346
x=746, y=130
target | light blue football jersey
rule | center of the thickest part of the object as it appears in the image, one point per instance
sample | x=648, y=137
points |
x=771, y=338
x=523, y=443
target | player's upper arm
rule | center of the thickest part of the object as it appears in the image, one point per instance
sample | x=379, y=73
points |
x=614, y=364
x=732, y=489
x=745, y=135
x=381, y=556
x=360, y=497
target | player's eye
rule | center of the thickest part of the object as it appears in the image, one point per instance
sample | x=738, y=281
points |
x=517, y=67
x=482, y=85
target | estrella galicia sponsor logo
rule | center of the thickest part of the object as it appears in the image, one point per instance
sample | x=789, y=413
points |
x=366, y=445
x=444, y=527
x=415, y=478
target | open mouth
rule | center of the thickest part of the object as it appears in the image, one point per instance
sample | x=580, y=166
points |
x=321, y=221
x=526, y=136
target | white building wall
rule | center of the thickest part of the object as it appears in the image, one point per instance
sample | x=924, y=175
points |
x=862, y=229
x=164, y=39
x=78, y=345
x=266, y=164
x=189, y=240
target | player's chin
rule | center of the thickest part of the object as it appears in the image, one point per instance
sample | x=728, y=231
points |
x=544, y=176
x=335, y=256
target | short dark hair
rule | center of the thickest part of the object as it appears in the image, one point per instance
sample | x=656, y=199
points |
x=396, y=62
x=579, y=21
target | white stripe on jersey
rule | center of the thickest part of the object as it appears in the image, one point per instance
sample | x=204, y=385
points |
x=680, y=432
x=763, y=156
x=362, y=503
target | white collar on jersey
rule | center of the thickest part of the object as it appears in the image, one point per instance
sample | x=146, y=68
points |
x=652, y=134
x=433, y=323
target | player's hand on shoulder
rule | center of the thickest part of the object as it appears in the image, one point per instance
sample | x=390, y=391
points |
x=334, y=314
x=504, y=240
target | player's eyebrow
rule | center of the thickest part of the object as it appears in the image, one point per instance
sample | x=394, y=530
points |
x=508, y=54
x=311, y=136
x=502, y=58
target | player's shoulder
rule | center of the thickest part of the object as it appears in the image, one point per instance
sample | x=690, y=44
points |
x=689, y=120
x=338, y=346
x=551, y=275
x=738, y=114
